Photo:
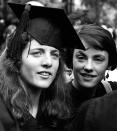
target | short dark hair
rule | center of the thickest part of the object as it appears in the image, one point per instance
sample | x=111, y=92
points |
x=100, y=38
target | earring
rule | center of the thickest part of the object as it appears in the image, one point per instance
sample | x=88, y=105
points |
x=107, y=75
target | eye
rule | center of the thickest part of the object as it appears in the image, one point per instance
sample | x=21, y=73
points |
x=80, y=57
x=56, y=54
x=99, y=59
x=68, y=72
x=36, y=53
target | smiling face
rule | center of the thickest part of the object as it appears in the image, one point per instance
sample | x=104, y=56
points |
x=40, y=64
x=89, y=66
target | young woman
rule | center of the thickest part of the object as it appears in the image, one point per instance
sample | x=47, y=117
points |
x=89, y=65
x=31, y=71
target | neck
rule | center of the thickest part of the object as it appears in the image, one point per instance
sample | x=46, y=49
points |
x=79, y=87
x=35, y=102
x=87, y=92
x=34, y=96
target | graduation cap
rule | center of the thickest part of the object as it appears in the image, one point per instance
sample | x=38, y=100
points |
x=49, y=26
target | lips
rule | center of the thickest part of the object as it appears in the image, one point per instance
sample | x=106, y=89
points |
x=44, y=74
x=86, y=75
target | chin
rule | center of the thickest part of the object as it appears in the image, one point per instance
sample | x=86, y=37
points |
x=43, y=85
x=88, y=85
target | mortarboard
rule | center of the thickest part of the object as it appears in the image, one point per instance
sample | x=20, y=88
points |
x=49, y=26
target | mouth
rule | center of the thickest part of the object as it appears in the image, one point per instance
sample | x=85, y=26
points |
x=44, y=74
x=88, y=76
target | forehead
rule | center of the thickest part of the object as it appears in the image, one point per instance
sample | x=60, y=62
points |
x=33, y=44
x=91, y=52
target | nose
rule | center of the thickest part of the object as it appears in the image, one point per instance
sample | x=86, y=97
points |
x=47, y=61
x=88, y=66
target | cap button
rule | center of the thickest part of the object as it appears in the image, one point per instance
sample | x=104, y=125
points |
x=28, y=7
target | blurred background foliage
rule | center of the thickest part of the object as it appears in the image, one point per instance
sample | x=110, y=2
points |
x=104, y=11
x=99, y=11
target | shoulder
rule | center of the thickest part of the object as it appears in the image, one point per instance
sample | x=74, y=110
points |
x=102, y=105
x=113, y=85
x=5, y=114
x=7, y=121
x=109, y=85
x=99, y=114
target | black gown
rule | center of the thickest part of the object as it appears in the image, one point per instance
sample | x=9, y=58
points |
x=99, y=114
x=27, y=123
x=40, y=123
x=77, y=121
x=84, y=94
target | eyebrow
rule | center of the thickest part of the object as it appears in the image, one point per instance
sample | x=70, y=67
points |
x=55, y=50
x=99, y=55
x=80, y=52
x=37, y=49
x=42, y=49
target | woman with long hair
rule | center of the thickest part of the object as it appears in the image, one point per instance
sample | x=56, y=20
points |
x=33, y=95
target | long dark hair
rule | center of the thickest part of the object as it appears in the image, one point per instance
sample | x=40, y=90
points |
x=53, y=100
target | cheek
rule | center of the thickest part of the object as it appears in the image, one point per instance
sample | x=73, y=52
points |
x=76, y=69
x=76, y=65
x=55, y=66
x=28, y=66
x=101, y=68
x=26, y=70
x=101, y=73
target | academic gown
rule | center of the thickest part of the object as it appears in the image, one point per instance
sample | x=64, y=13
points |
x=9, y=123
x=99, y=114
x=80, y=97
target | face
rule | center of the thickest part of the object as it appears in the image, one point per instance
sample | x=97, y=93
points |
x=89, y=66
x=40, y=64
x=67, y=74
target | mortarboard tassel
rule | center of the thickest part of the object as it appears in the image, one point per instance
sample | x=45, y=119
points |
x=15, y=46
